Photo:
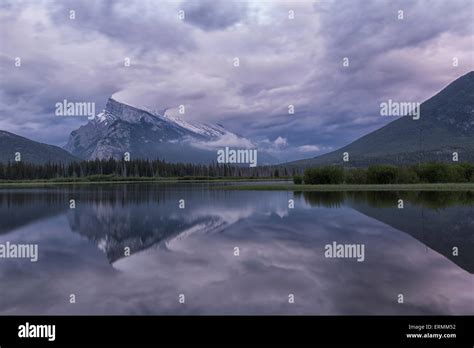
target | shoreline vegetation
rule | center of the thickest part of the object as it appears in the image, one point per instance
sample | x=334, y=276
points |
x=426, y=173
x=111, y=179
x=421, y=177
x=133, y=171
x=280, y=184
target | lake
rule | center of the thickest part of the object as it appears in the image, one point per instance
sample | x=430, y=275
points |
x=188, y=248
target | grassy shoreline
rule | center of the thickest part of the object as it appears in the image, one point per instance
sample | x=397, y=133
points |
x=243, y=187
x=345, y=187
x=130, y=180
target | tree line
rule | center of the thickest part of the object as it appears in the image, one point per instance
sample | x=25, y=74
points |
x=142, y=168
x=133, y=168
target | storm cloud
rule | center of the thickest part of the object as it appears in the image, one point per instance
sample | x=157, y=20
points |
x=184, y=53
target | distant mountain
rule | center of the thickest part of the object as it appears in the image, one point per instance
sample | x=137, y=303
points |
x=446, y=125
x=148, y=134
x=30, y=151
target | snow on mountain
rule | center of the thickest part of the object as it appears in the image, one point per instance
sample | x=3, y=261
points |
x=203, y=129
x=146, y=133
x=120, y=110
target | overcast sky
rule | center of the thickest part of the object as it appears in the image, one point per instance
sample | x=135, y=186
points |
x=190, y=61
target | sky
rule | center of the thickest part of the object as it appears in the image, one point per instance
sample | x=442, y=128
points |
x=184, y=53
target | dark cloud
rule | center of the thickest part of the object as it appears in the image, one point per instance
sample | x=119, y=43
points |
x=214, y=15
x=143, y=26
x=190, y=62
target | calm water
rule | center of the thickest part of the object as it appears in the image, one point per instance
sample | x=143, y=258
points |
x=190, y=251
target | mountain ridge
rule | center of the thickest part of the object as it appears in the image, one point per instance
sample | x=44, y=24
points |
x=31, y=151
x=446, y=125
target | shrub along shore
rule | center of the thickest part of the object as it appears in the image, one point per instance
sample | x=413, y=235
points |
x=427, y=173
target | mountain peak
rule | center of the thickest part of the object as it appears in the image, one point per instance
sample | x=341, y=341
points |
x=145, y=133
x=115, y=110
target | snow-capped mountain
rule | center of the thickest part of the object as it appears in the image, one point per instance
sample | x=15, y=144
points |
x=145, y=133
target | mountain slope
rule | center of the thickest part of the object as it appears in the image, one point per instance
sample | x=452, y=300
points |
x=438, y=229
x=446, y=125
x=144, y=133
x=31, y=151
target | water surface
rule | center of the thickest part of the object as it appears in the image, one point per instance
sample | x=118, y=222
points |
x=191, y=251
